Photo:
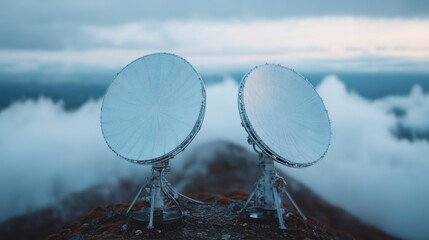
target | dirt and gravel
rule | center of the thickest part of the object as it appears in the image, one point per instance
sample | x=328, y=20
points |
x=217, y=219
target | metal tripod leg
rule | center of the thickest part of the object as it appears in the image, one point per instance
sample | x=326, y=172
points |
x=136, y=197
x=292, y=201
x=250, y=197
x=248, y=201
x=152, y=207
x=278, y=208
x=163, y=208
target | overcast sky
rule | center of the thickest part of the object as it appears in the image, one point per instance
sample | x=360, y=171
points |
x=390, y=35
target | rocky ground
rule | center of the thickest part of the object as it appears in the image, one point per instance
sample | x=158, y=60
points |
x=216, y=220
x=98, y=213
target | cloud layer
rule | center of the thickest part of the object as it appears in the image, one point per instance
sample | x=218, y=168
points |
x=46, y=153
x=368, y=170
x=309, y=44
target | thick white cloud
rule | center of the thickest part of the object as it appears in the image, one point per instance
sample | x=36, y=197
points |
x=368, y=171
x=222, y=119
x=412, y=111
x=47, y=153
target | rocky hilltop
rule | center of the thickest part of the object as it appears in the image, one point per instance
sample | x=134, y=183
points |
x=219, y=173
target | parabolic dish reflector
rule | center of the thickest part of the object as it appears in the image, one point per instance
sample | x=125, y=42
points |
x=153, y=108
x=284, y=116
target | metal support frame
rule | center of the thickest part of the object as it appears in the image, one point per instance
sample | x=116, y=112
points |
x=164, y=206
x=266, y=198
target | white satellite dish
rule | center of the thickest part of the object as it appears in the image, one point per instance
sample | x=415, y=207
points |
x=287, y=120
x=151, y=111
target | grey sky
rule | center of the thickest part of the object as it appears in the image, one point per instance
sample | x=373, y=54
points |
x=109, y=11
x=111, y=33
x=47, y=24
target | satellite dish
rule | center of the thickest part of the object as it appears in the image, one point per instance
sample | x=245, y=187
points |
x=286, y=119
x=153, y=108
x=151, y=111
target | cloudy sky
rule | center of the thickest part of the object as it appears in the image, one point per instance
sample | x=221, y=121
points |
x=337, y=35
